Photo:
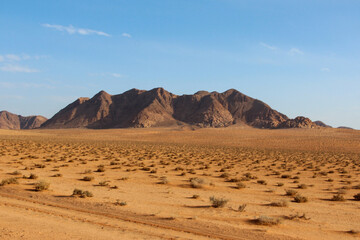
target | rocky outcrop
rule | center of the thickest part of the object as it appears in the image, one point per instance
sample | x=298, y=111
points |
x=12, y=121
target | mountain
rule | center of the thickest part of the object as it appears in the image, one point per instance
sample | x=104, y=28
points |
x=322, y=124
x=158, y=107
x=12, y=121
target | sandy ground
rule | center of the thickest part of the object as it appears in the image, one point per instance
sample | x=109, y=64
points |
x=157, y=184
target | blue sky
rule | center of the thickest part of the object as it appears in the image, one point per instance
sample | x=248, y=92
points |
x=301, y=57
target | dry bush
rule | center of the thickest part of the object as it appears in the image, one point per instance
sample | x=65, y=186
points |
x=290, y=192
x=88, y=178
x=338, y=197
x=300, y=199
x=218, y=202
x=120, y=203
x=242, y=207
x=41, y=186
x=164, y=180
x=81, y=193
x=267, y=221
x=357, y=197
x=263, y=182
x=281, y=203
x=240, y=185
x=9, y=181
x=196, y=182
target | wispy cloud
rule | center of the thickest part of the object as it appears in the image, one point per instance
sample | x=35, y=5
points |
x=116, y=75
x=73, y=30
x=17, y=68
x=325, y=69
x=268, y=46
x=108, y=74
x=126, y=35
x=295, y=51
x=20, y=57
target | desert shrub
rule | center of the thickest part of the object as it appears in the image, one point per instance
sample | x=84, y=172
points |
x=104, y=183
x=281, y=203
x=302, y=186
x=285, y=176
x=298, y=216
x=88, y=178
x=280, y=184
x=16, y=173
x=101, y=168
x=240, y=185
x=224, y=175
x=32, y=176
x=42, y=185
x=195, y=196
x=300, y=199
x=81, y=193
x=196, y=182
x=164, y=180
x=40, y=165
x=290, y=192
x=263, y=182
x=267, y=221
x=356, y=186
x=218, y=202
x=242, y=207
x=120, y=203
x=57, y=175
x=338, y=197
x=9, y=181
x=357, y=197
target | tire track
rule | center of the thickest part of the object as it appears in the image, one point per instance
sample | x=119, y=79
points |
x=210, y=231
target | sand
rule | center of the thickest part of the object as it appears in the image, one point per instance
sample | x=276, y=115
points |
x=156, y=183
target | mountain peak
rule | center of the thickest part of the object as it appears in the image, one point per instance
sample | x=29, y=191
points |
x=158, y=107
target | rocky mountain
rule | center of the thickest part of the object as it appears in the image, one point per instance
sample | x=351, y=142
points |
x=322, y=124
x=12, y=121
x=158, y=107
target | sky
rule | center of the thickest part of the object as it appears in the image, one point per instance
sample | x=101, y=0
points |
x=301, y=57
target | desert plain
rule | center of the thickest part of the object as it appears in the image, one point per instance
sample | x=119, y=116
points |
x=180, y=183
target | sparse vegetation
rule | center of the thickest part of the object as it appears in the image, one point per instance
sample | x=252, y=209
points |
x=218, y=202
x=42, y=185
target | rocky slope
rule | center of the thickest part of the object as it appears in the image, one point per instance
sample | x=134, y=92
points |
x=12, y=121
x=158, y=107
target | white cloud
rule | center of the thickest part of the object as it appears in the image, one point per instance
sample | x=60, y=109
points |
x=12, y=57
x=126, y=35
x=116, y=75
x=16, y=68
x=325, y=69
x=294, y=51
x=268, y=46
x=73, y=30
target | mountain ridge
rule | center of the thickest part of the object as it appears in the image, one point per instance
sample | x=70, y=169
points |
x=10, y=120
x=158, y=107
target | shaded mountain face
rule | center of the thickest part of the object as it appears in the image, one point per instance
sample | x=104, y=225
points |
x=158, y=107
x=12, y=121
